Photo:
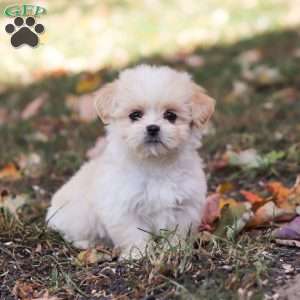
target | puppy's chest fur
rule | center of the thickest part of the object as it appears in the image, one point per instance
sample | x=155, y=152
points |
x=147, y=190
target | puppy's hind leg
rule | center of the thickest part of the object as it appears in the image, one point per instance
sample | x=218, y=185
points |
x=74, y=219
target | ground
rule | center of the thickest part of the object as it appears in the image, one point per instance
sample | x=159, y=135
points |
x=263, y=113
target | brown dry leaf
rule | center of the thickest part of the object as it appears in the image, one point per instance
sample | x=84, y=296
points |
x=34, y=107
x=10, y=172
x=92, y=256
x=25, y=290
x=46, y=296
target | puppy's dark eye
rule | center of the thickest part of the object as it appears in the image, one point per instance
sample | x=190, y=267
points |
x=135, y=115
x=170, y=116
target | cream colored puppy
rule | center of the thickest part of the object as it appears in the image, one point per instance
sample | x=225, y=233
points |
x=149, y=175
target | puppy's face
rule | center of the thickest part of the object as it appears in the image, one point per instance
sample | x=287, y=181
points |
x=154, y=110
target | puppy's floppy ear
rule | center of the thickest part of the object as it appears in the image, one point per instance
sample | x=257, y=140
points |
x=104, y=101
x=203, y=106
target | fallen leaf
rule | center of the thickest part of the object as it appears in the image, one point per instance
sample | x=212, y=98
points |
x=250, y=159
x=269, y=212
x=252, y=198
x=291, y=243
x=24, y=290
x=211, y=212
x=263, y=75
x=34, y=107
x=285, y=197
x=10, y=172
x=12, y=203
x=290, y=231
x=31, y=164
x=234, y=217
x=247, y=158
x=240, y=90
x=88, y=82
x=45, y=296
x=92, y=256
x=279, y=192
x=225, y=187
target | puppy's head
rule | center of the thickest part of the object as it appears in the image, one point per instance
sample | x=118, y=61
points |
x=154, y=110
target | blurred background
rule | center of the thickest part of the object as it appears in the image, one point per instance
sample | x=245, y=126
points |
x=90, y=34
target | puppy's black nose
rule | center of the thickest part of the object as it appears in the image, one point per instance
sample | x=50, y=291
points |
x=153, y=130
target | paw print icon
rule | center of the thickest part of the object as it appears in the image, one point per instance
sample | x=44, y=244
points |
x=24, y=33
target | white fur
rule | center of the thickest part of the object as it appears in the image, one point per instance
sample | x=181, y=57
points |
x=131, y=185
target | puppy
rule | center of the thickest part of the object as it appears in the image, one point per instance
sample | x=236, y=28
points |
x=149, y=175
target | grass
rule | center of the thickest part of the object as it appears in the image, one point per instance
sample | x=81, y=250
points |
x=34, y=259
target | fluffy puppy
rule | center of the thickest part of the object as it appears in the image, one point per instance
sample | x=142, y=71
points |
x=149, y=175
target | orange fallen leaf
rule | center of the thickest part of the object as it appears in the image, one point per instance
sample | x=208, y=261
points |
x=10, y=172
x=285, y=197
x=279, y=192
x=251, y=197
